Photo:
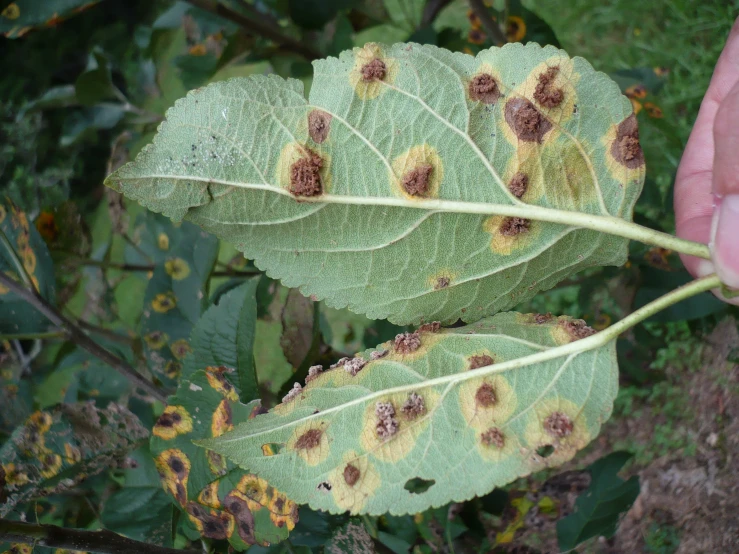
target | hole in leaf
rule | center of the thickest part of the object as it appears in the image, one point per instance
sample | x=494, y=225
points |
x=418, y=485
x=545, y=451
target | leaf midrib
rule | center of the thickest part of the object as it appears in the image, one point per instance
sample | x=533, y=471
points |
x=573, y=348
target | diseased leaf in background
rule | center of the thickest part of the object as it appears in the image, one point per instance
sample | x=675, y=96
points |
x=352, y=537
x=56, y=449
x=219, y=500
x=370, y=435
x=300, y=329
x=378, y=193
x=20, y=16
x=406, y=14
x=140, y=510
x=224, y=336
x=599, y=508
x=176, y=295
x=15, y=393
x=15, y=314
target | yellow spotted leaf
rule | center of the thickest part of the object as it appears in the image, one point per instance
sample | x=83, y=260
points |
x=434, y=416
x=414, y=184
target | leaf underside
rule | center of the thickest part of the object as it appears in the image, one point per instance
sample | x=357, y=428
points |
x=426, y=412
x=378, y=193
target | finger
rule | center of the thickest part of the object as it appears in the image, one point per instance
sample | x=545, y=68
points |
x=697, y=160
x=694, y=201
x=725, y=239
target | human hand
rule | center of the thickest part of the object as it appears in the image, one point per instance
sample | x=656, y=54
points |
x=707, y=182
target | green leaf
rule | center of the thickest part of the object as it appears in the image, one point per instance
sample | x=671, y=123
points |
x=314, y=14
x=428, y=406
x=598, y=509
x=176, y=295
x=218, y=499
x=405, y=13
x=95, y=84
x=224, y=336
x=16, y=316
x=329, y=213
x=20, y=16
x=54, y=450
x=141, y=510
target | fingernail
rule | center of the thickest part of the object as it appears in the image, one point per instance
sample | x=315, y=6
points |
x=725, y=245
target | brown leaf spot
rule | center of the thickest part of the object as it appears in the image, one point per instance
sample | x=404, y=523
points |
x=305, y=175
x=519, y=184
x=178, y=466
x=429, y=327
x=169, y=419
x=577, y=328
x=481, y=360
x=626, y=148
x=319, y=124
x=405, y=343
x=484, y=88
x=414, y=406
x=558, y=425
x=313, y=372
x=294, y=392
x=441, y=283
x=540, y=319
x=213, y=526
x=309, y=439
x=416, y=182
x=387, y=425
x=493, y=437
x=351, y=474
x=377, y=354
x=239, y=508
x=545, y=94
x=376, y=70
x=485, y=395
x=513, y=226
x=526, y=121
x=354, y=365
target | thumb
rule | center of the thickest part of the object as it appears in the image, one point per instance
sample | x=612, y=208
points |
x=725, y=227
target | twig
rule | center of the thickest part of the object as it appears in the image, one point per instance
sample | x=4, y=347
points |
x=260, y=26
x=34, y=336
x=78, y=336
x=103, y=541
x=490, y=26
x=137, y=267
x=108, y=334
x=431, y=10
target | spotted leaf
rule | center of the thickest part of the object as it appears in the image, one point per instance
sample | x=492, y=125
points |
x=176, y=294
x=219, y=500
x=434, y=416
x=38, y=270
x=54, y=450
x=20, y=16
x=414, y=184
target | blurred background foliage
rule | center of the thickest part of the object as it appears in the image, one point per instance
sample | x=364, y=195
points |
x=83, y=88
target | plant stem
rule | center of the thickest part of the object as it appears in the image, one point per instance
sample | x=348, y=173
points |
x=136, y=267
x=261, y=26
x=78, y=336
x=431, y=10
x=679, y=294
x=19, y=267
x=482, y=13
x=102, y=541
x=34, y=336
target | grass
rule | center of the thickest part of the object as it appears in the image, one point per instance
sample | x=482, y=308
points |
x=683, y=36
